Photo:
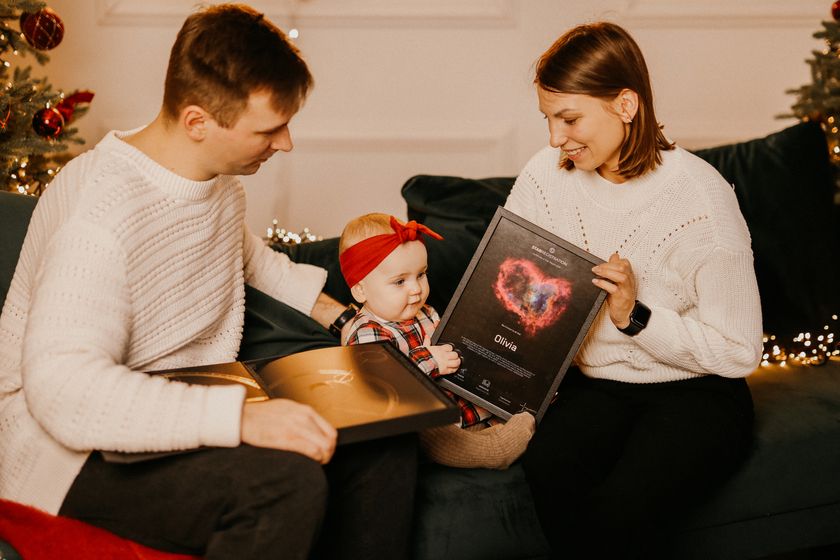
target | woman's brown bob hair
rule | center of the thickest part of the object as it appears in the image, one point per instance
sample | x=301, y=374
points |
x=601, y=60
x=223, y=54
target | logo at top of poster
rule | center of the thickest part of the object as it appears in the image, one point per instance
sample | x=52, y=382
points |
x=538, y=300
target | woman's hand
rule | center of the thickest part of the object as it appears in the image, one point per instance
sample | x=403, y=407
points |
x=621, y=288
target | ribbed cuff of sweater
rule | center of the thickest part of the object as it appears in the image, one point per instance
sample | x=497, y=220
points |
x=221, y=425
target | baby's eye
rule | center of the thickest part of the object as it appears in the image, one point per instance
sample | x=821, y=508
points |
x=399, y=282
x=421, y=275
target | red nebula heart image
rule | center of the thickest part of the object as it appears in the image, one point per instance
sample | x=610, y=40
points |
x=537, y=299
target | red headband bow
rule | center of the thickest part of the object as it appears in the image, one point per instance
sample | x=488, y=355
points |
x=359, y=260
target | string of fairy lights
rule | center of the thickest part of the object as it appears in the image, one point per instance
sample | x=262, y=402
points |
x=279, y=236
x=813, y=349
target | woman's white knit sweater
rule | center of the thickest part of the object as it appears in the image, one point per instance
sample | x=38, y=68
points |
x=682, y=231
x=126, y=268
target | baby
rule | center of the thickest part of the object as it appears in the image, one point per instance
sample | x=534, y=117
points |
x=384, y=263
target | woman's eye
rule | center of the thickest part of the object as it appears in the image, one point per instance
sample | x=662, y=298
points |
x=571, y=121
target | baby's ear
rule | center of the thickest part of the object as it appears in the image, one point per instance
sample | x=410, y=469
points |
x=358, y=293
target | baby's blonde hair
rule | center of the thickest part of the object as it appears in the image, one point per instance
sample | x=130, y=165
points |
x=365, y=227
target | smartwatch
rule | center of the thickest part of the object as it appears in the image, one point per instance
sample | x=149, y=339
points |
x=639, y=318
x=342, y=319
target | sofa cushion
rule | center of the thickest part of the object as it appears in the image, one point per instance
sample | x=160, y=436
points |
x=7, y=552
x=474, y=514
x=460, y=210
x=15, y=212
x=797, y=410
x=786, y=495
x=785, y=188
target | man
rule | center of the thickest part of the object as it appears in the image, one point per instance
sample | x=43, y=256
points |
x=136, y=260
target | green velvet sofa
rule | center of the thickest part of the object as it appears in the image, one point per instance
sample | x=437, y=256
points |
x=785, y=497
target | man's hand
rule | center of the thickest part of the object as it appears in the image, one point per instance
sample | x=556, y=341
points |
x=326, y=310
x=621, y=290
x=448, y=360
x=288, y=425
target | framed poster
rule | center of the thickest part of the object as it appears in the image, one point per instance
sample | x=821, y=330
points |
x=518, y=317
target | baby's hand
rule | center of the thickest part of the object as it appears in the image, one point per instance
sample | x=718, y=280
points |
x=448, y=360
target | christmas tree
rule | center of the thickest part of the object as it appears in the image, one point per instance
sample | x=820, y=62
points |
x=34, y=136
x=820, y=100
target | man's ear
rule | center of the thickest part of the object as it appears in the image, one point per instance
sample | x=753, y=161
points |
x=195, y=121
x=358, y=292
x=627, y=105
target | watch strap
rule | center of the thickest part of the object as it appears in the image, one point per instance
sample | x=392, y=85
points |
x=341, y=320
x=638, y=319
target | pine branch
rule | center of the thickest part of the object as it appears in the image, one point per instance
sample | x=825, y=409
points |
x=29, y=161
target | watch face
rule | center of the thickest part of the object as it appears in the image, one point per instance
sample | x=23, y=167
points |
x=641, y=315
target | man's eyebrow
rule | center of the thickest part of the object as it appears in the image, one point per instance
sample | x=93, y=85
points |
x=273, y=130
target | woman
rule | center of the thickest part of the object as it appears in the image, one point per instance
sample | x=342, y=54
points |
x=658, y=412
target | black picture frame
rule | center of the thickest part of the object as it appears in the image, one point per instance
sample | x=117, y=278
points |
x=518, y=317
x=366, y=391
x=387, y=395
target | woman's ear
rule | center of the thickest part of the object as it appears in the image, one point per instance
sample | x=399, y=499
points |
x=358, y=292
x=627, y=105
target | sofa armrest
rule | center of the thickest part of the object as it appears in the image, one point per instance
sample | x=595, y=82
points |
x=15, y=213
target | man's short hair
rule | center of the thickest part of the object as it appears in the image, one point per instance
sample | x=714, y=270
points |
x=223, y=54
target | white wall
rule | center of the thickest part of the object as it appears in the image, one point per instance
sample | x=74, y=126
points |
x=442, y=86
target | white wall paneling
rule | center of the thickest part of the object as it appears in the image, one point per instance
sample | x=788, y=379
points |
x=328, y=13
x=723, y=13
x=405, y=87
x=333, y=176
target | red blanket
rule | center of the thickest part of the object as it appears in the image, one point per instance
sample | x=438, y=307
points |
x=39, y=536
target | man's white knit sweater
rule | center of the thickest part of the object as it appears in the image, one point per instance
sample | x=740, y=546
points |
x=126, y=268
x=682, y=231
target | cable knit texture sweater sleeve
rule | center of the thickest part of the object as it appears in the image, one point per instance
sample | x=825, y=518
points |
x=682, y=230
x=126, y=268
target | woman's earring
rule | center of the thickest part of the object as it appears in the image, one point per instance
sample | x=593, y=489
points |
x=628, y=120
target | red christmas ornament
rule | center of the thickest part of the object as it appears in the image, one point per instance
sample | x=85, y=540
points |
x=44, y=30
x=48, y=123
x=835, y=11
